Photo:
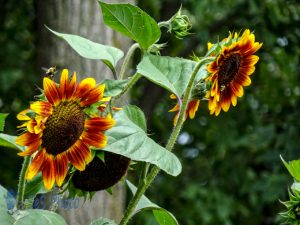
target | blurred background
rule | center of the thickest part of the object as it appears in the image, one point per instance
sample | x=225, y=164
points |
x=232, y=172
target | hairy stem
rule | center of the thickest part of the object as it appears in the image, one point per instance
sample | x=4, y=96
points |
x=144, y=184
x=132, y=81
x=22, y=183
x=165, y=24
x=127, y=59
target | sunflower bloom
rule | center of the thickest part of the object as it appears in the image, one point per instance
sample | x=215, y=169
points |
x=190, y=111
x=230, y=72
x=59, y=131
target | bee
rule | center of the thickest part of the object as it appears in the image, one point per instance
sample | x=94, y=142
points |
x=50, y=72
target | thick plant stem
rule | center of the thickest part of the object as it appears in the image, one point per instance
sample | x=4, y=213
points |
x=144, y=184
x=127, y=59
x=22, y=183
x=132, y=81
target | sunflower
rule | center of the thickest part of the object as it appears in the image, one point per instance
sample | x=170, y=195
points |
x=231, y=70
x=101, y=174
x=59, y=130
x=190, y=111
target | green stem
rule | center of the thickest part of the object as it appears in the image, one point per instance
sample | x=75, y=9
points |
x=132, y=81
x=165, y=24
x=22, y=183
x=127, y=59
x=143, y=186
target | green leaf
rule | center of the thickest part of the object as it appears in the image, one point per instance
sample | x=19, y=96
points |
x=38, y=217
x=162, y=216
x=10, y=142
x=296, y=186
x=128, y=138
x=5, y=218
x=3, y=196
x=2, y=120
x=293, y=167
x=35, y=186
x=92, y=50
x=137, y=116
x=103, y=221
x=114, y=87
x=170, y=73
x=132, y=22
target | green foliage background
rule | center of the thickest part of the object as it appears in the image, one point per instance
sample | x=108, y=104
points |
x=232, y=172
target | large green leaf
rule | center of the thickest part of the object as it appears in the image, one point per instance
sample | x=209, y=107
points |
x=10, y=142
x=103, y=221
x=2, y=120
x=38, y=217
x=293, y=167
x=136, y=116
x=132, y=22
x=5, y=218
x=91, y=50
x=114, y=87
x=3, y=197
x=128, y=138
x=162, y=216
x=170, y=73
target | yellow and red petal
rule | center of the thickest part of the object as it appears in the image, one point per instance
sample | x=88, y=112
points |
x=233, y=100
x=237, y=89
x=32, y=148
x=36, y=164
x=226, y=101
x=97, y=140
x=48, y=171
x=51, y=91
x=26, y=138
x=84, y=87
x=34, y=126
x=64, y=83
x=22, y=115
x=23, y=125
x=99, y=124
x=79, y=155
x=193, y=107
x=94, y=96
x=42, y=108
x=71, y=87
x=175, y=108
x=61, y=167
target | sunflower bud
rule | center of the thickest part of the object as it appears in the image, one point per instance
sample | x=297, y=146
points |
x=292, y=215
x=180, y=25
x=200, y=89
x=156, y=48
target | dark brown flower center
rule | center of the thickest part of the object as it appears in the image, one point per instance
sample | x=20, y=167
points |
x=63, y=128
x=229, y=69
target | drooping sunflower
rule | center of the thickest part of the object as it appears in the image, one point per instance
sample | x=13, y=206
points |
x=230, y=72
x=190, y=111
x=101, y=174
x=59, y=130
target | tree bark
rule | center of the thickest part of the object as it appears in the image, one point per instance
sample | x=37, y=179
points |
x=80, y=17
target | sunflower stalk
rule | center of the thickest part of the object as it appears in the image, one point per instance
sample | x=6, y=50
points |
x=127, y=59
x=132, y=81
x=22, y=183
x=144, y=185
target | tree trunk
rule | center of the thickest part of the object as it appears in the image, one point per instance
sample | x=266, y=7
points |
x=81, y=18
